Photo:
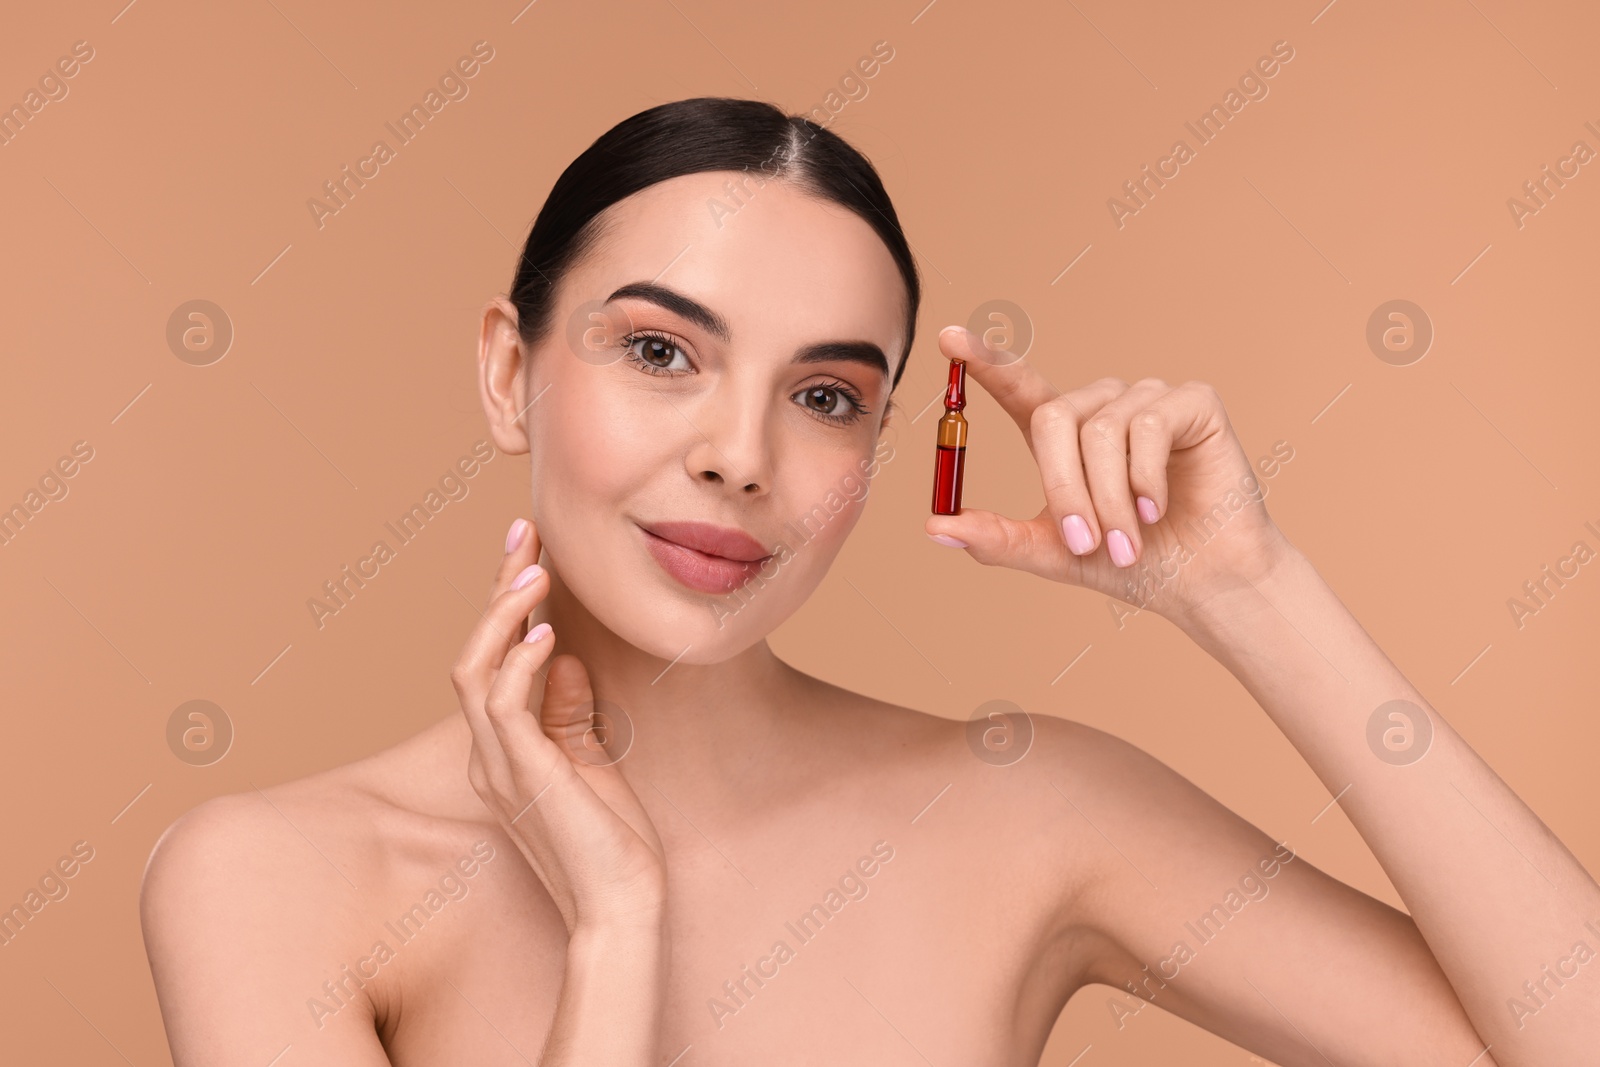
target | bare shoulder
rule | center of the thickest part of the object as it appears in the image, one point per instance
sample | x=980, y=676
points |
x=1003, y=804
x=339, y=836
x=241, y=909
x=249, y=896
x=1009, y=774
x=1111, y=810
x=1000, y=742
x=227, y=852
x=233, y=868
x=1063, y=811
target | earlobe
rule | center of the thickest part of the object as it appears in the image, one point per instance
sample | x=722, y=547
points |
x=502, y=364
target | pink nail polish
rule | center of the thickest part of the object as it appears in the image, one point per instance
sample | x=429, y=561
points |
x=1147, y=509
x=529, y=573
x=1077, y=534
x=536, y=633
x=946, y=539
x=1120, y=547
x=514, y=536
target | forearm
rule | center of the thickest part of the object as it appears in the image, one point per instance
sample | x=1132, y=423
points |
x=611, y=998
x=1495, y=893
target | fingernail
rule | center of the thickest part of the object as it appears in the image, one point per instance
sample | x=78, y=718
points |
x=1120, y=547
x=529, y=573
x=1076, y=531
x=1147, y=509
x=959, y=335
x=514, y=536
x=946, y=539
x=536, y=633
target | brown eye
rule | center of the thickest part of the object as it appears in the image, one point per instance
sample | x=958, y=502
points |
x=657, y=351
x=831, y=402
x=824, y=400
x=655, y=354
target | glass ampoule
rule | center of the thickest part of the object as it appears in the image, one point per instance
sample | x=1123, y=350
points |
x=951, y=453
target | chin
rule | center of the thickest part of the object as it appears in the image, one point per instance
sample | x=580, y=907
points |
x=652, y=612
x=681, y=630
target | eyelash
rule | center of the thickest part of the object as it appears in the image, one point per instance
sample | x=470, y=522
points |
x=847, y=391
x=639, y=361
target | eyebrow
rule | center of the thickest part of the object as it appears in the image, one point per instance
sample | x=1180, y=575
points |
x=863, y=352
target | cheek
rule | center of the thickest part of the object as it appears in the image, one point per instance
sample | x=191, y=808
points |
x=587, y=440
x=823, y=511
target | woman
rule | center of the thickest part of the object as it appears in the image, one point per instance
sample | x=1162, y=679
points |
x=744, y=863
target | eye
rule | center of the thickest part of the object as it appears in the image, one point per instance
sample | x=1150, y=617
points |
x=834, y=401
x=656, y=354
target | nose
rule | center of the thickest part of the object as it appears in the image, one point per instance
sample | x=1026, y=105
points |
x=731, y=447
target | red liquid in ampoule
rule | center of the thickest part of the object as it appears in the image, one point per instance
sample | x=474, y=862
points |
x=947, y=480
x=952, y=444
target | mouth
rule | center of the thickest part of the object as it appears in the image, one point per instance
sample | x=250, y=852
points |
x=704, y=557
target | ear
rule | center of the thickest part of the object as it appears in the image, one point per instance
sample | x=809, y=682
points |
x=502, y=385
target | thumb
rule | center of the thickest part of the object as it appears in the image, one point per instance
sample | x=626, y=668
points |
x=568, y=713
x=1032, y=545
x=595, y=735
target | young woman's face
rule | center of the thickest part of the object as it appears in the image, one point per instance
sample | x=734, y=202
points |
x=739, y=381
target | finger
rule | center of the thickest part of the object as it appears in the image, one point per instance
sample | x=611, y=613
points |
x=1032, y=545
x=574, y=723
x=566, y=710
x=1016, y=385
x=1104, y=442
x=485, y=649
x=556, y=784
x=530, y=755
x=1180, y=418
x=1057, y=448
x=522, y=547
x=469, y=675
x=488, y=642
x=571, y=717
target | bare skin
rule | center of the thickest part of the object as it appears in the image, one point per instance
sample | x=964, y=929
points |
x=591, y=903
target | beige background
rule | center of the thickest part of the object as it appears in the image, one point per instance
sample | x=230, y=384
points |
x=179, y=564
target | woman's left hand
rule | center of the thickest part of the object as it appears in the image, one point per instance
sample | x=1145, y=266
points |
x=1148, y=495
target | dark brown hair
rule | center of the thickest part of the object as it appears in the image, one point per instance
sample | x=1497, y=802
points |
x=687, y=137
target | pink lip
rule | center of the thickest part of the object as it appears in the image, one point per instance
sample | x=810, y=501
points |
x=706, y=558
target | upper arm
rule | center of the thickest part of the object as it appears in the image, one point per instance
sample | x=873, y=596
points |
x=1213, y=920
x=241, y=932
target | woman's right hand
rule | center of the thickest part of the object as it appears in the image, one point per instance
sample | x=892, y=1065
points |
x=573, y=816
